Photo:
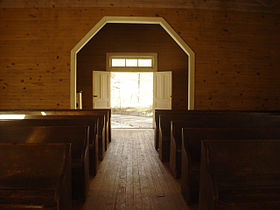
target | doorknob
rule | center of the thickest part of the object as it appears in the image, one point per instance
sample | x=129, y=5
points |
x=95, y=96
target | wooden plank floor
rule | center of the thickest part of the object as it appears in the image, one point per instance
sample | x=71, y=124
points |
x=131, y=176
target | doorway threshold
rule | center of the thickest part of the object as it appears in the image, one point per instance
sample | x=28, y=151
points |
x=131, y=122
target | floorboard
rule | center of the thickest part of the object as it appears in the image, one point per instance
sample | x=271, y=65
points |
x=131, y=176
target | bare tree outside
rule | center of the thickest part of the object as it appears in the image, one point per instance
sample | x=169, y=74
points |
x=132, y=98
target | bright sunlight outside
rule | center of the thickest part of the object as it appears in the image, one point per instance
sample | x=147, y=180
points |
x=131, y=99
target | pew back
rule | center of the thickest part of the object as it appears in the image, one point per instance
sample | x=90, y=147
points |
x=192, y=137
x=240, y=174
x=191, y=151
x=35, y=176
x=64, y=121
x=162, y=112
x=105, y=113
x=76, y=135
x=171, y=136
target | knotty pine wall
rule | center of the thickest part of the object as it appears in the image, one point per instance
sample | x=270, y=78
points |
x=136, y=38
x=237, y=54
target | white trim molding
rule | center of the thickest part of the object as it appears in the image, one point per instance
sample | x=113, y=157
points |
x=136, y=20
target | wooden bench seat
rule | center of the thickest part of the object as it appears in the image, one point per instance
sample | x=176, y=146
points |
x=170, y=126
x=104, y=116
x=240, y=174
x=202, y=119
x=106, y=113
x=194, y=118
x=35, y=176
x=76, y=135
x=191, y=151
x=158, y=113
x=99, y=131
x=54, y=120
x=101, y=113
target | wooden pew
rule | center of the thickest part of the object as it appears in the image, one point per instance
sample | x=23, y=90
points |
x=104, y=118
x=96, y=149
x=76, y=135
x=156, y=131
x=35, y=176
x=100, y=128
x=166, y=117
x=162, y=133
x=209, y=119
x=91, y=112
x=103, y=115
x=162, y=112
x=164, y=127
x=240, y=175
x=191, y=151
x=193, y=120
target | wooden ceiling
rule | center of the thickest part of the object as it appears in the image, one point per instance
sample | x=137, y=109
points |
x=268, y=6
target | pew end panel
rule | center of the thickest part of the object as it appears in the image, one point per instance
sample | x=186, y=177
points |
x=164, y=140
x=190, y=172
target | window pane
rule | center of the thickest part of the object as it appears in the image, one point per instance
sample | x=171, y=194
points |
x=145, y=62
x=118, y=62
x=131, y=62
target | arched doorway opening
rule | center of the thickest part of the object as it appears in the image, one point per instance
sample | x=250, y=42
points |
x=133, y=20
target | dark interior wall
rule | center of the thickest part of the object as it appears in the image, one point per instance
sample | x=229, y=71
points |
x=237, y=56
x=136, y=38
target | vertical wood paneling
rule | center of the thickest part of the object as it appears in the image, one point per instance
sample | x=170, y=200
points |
x=269, y=6
x=237, y=54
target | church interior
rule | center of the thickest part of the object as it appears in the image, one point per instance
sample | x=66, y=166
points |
x=214, y=137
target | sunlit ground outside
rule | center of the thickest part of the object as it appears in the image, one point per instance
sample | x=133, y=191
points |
x=132, y=100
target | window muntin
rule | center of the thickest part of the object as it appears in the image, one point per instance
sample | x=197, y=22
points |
x=116, y=62
x=131, y=62
x=146, y=62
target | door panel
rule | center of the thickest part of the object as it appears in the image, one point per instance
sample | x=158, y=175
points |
x=163, y=90
x=101, y=89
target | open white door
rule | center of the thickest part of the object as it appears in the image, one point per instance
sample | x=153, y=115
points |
x=163, y=90
x=101, y=89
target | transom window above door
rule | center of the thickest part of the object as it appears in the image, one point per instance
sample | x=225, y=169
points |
x=146, y=62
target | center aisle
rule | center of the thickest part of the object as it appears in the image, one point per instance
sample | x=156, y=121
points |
x=131, y=176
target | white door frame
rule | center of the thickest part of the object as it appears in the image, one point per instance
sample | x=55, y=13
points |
x=136, y=20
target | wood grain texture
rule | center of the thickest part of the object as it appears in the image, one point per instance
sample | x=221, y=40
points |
x=270, y=6
x=133, y=38
x=131, y=176
x=237, y=54
x=35, y=176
